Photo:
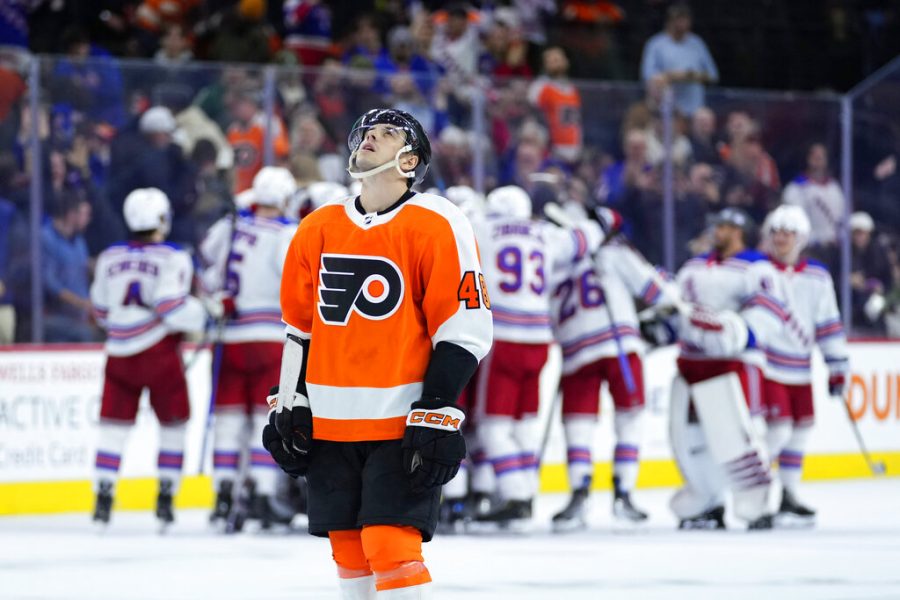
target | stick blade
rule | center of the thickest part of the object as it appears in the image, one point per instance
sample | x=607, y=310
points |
x=558, y=215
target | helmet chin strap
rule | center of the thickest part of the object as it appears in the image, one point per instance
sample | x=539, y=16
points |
x=391, y=163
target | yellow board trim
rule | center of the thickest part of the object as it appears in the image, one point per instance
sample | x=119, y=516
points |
x=196, y=491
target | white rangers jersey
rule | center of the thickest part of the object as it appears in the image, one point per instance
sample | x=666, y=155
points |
x=519, y=257
x=251, y=272
x=141, y=294
x=589, y=294
x=813, y=319
x=823, y=203
x=745, y=283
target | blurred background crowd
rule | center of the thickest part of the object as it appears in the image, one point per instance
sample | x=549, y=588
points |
x=640, y=105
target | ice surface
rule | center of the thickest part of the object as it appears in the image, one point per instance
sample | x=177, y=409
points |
x=853, y=553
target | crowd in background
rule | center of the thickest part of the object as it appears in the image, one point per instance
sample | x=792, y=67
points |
x=492, y=86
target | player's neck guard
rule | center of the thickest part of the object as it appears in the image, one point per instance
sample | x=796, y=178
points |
x=391, y=163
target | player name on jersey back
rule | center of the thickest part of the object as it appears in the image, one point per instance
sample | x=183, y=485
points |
x=140, y=295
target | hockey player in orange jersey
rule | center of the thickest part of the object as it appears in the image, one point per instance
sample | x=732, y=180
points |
x=387, y=317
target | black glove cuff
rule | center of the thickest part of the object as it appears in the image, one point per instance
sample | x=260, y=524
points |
x=436, y=404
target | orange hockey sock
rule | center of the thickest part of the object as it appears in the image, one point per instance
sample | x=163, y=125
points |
x=347, y=550
x=394, y=553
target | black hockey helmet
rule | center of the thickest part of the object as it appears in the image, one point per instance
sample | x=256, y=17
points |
x=416, y=138
x=737, y=218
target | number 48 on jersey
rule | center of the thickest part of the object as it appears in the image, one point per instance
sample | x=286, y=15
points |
x=473, y=291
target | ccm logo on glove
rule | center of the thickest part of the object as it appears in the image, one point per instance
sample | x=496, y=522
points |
x=450, y=419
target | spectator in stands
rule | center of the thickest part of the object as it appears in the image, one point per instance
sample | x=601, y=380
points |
x=452, y=162
x=149, y=157
x=403, y=58
x=560, y=103
x=307, y=30
x=870, y=276
x=174, y=47
x=750, y=166
x=366, y=42
x=247, y=136
x=634, y=171
x=422, y=30
x=632, y=186
x=455, y=48
x=821, y=197
x=89, y=79
x=682, y=58
x=704, y=143
x=212, y=190
x=505, y=52
x=309, y=138
x=66, y=273
x=701, y=197
x=243, y=35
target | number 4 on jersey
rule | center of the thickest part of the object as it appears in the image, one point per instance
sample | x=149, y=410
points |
x=473, y=291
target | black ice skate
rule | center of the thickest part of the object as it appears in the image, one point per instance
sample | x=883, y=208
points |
x=573, y=516
x=711, y=519
x=453, y=515
x=510, y=514
x=623, y=509
x=103, y=505
x=224, y=500
x=793, y=514
x=164, y=504
x=762, y=523
x=478, y=504
x=265, y=510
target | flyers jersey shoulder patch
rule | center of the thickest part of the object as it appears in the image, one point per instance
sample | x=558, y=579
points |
x=376, y=293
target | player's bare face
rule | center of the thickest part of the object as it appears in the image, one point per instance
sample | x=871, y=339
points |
x=725, y=237
x=783, y=243
x=379, y=145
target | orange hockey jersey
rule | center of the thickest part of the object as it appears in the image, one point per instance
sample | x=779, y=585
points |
x=375, y=293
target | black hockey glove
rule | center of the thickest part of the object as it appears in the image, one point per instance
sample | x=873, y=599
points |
x=294, y=465
x=433, y=446
x=293, y=420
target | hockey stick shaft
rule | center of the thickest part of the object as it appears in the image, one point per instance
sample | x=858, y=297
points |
x=217, y=350
x=877, y=467
x=559, y=216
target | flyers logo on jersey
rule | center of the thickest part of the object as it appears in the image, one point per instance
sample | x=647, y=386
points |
x=368, y=285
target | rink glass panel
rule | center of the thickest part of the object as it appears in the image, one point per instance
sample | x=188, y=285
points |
x=84, y=148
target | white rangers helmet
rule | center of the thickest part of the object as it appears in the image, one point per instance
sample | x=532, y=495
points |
x=273, y=186
x=244, y=200
x=788, y=217
x=147, y=209
x=509, y=200
x=463, y=194
x=323, y=192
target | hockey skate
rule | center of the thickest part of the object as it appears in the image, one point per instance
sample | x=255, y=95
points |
x=623, y=509
x=103, y=505
x=792, y=514
x=478, y=504
x=242, y=507
x=222, y=505
x=512, y=515
x=711, y=519
x=266, y=512
x=164, y=505
x=574, y=516
x=762, y=523
x=453, y=516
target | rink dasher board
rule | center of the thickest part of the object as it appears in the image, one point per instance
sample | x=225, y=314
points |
x=49, y=404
